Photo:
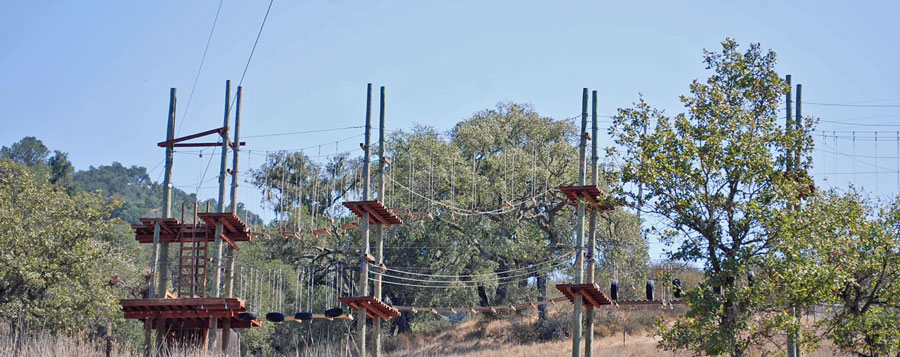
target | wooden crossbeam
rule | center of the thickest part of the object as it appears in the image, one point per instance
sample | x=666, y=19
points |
x=192, y=136
x=203, y=145
x=228, y=240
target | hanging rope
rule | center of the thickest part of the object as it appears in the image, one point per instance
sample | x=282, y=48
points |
x=314, y=210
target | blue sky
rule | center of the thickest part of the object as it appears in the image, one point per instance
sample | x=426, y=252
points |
x=91, y=78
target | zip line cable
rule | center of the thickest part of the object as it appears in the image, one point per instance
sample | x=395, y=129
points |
x=552, y=260
x=302, y=132
x=854, y=105
x=200, y=68
x=513, y=277
x=253, y=50
x=466, y=211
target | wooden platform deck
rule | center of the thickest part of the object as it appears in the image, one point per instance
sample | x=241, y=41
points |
x=235, y=228
x=374, y=307
x=187, y=313
x=591, y=294
x=592, y=194
x=172, y=231
x=378, y=213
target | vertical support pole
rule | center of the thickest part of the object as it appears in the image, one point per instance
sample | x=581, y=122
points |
x=160, y=266
x=217, y=262
x=789, y=167
x=379, y=229
x=592, y=243
x=577, y=323
x=788, y=123
x=364, y=231
x=798, y=121
x=229, y=267
x=798, y=124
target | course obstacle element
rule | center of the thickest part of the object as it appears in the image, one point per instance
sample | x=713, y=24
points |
x=374, y=307
x=378, y=213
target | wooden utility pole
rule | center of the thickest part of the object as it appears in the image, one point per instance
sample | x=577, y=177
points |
x=798, y=121
x=577, y=322
x=379, y=229
x=790, y=168
x=229, y=269
x=160, y=265
x=364, y=231
x=592, y=263
x=217, y=264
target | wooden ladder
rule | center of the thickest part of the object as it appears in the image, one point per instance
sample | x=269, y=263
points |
x=192, y=264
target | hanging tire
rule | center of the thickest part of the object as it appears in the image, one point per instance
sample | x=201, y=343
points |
x=649, y=290
x=303, y=316
x=247, y=316
x=335, y=312
x=614, y=290
x=275, y=317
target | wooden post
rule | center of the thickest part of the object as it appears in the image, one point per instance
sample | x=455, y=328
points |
x=592, y=243
x=160, y=265
x=798, y=121
x=217, y=263
x=364, y=232
x=379, y=229
x=229, y=268
x=577, y=322
x=789, y=168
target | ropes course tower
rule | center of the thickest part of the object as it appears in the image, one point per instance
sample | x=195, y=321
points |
x=193, y=315
x=371, y=212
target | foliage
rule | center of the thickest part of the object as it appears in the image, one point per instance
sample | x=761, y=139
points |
x=54, y=272
x=29, y=151
x=842, y=250
x=479, y=200
x=712, y=175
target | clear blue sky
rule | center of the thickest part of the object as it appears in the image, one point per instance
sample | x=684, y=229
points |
x=91, y=78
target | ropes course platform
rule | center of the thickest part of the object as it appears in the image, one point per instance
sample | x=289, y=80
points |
x=590, y=193
x=187, y=313
x=591, y=294
x=173, y=231
x=374, y=307
x=378, y=213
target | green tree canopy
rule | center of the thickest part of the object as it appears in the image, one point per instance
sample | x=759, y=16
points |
x=55, y=271
x=841, y=250
x=29, y=151
x=711, y=175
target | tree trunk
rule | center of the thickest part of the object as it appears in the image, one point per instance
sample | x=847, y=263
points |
x=482, y=295
x=400, y=324
x=542, y=290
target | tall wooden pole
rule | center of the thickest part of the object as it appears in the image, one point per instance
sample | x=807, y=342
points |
x=789, y=163
x=160, y=264
x=379, y=229
x=592, y=243
x=229, y=267
x=217, y=259
x=364, y=231
x=577, y=322
x=798, y=121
